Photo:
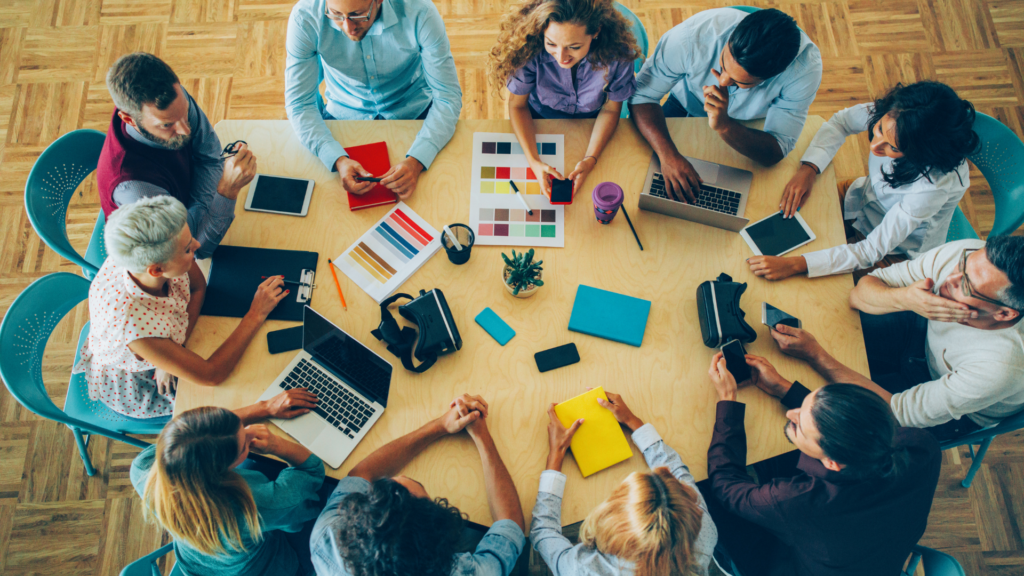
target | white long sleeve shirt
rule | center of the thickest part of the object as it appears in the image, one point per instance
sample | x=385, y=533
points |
x=908, y=220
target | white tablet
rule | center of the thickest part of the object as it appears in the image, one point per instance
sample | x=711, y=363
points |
x=279, y=195
x=775, y=235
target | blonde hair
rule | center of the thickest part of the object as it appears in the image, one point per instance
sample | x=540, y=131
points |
x=651, y=519
x=191, y=489
x=521, y=34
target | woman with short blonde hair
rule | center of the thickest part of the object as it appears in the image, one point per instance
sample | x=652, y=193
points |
x=654, y=524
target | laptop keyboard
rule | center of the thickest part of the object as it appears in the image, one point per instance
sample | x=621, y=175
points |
x=711, y=198
x=341, y=408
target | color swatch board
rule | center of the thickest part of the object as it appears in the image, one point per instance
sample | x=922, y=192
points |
x=495, y=214
x=390, y=252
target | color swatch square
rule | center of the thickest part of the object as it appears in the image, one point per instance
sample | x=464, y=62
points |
x=535, y=217
x=506, y=148
x=517, y=173
x=517, y=215
x=518, y=230
x=502, y=173
x=501, y=187
x=538, y=148
x=486, y=230
x=487, y=187
x=530, y=175
x=547, y=231
x=532, y=231
x=521, y=186
x=516, y=148
x=533, y=188
x=502, y=230
x=489, y=147
x=547, y=216
x=487, y=172
x=548, y=149
x=487, y=214
x=501, y=214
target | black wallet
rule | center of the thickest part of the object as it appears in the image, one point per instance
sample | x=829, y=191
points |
x=718, y=308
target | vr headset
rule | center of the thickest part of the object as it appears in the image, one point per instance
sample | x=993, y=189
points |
x=721, y=318
x=437, y=334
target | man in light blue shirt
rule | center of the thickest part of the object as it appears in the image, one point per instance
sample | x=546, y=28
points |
x=378, y=522
x=382, y=60
x=728, y=65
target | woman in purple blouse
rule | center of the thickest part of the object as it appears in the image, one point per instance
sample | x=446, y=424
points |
x=565, y=59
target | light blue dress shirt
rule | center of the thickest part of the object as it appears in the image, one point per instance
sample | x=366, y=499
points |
x=682, y=65
x=402, y=64
x=495, y=555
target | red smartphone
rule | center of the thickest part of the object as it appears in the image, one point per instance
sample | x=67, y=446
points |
x=561, y=191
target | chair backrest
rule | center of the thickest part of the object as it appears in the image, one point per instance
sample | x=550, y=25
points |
x=637, y=27
x=747, y=9
x=51, y=183
x=1001, y=160
x=960, y=227
x=1008, y=424
x=935, y=563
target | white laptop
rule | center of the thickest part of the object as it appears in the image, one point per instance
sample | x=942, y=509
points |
x=721, y=201
x=351, y=383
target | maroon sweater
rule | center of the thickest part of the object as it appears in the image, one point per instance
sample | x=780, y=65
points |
x=832, y=525
x=124, y=159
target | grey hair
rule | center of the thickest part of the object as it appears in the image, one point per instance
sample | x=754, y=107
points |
x=145, y=232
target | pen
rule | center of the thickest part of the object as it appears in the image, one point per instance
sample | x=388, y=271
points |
x=286, y=281
x=520, y=196
x=452, y=238
x=336, y=284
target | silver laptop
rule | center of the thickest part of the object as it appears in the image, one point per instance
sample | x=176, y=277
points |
x=721, y=202
x=351, y=383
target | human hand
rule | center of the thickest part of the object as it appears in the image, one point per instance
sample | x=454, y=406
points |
x=166, y=383
x=682, y=182
x=796, y=342
x=622, y=413
x=239, y=170
x=291, y=403
x=579, y=175
x=725, y=383
x=559, y=438
x=716, y=104
x=461, y=412
x=544, y=174
x=403, y=177
x=795, y=194
x=348, y=169
x=919, y=298
x=262, y=441
x=777, y=267
x=268, y=294
x=765, y=377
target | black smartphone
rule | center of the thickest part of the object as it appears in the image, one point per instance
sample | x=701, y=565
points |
x=557, y=357
x=735, y=361
x=561, y=191
x=284, y=340
x=771, y=316
x=365, y=179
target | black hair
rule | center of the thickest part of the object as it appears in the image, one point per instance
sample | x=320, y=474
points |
x=765, y=42
x=390, y=532
x=934, y=130
x=1007, y=254
x=141, y=78
x=858, y=430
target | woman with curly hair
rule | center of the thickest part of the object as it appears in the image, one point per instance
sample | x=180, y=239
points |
x=565, y=59
x=920, y=136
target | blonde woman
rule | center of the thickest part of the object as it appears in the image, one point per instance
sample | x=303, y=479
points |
x=565, y=59
x=654, y=524
x=227, y=520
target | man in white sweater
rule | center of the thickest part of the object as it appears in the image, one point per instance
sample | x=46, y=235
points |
x=943, y=336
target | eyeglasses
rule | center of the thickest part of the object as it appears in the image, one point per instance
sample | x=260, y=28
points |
x=232, y=149
x=340, y=18
x=965, y=285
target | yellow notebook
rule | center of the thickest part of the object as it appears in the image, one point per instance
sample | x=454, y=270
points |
x=599, y=442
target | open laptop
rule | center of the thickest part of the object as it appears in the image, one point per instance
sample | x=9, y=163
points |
x=721, y=202
x=351, y=383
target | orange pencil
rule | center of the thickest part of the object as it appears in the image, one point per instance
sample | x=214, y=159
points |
x=340, y=295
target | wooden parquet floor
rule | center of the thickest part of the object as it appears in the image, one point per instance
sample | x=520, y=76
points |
x=230, y=55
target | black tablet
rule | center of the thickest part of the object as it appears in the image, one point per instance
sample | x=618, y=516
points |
x=279, y=195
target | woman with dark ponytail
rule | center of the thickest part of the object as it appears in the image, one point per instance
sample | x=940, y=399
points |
x=920, y=136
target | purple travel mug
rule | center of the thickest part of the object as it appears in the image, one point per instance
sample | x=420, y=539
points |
x=607, y=199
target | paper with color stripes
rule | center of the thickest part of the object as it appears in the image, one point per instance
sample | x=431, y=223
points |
x=390, y=252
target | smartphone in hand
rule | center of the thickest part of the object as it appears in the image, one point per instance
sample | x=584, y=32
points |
x=735, y=360
x=771, y=316
x=561, y=191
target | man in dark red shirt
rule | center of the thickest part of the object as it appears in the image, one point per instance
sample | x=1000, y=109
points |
x=856, y=500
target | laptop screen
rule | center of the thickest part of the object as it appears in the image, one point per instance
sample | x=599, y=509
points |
x=345, y=357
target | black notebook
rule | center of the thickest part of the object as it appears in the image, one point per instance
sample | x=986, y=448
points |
x=236, y=272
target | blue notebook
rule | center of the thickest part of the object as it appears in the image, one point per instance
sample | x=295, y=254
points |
x=609, y=315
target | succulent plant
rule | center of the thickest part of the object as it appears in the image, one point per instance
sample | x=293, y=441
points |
x=523, y=271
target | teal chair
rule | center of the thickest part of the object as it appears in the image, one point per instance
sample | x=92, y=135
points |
x=146, y=566
x=983, y=438
x=23, y=334
x=935, y=563
x=641, y=41
x=51, y=183
x=747, y=9
x=1001, y=161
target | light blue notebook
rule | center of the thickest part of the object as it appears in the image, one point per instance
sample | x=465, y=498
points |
x=609, y=315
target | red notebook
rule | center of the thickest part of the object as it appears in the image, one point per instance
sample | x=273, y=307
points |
x=374, y=158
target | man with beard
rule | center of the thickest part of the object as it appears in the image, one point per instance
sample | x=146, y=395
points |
x=160, y=143
x=853, y=500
